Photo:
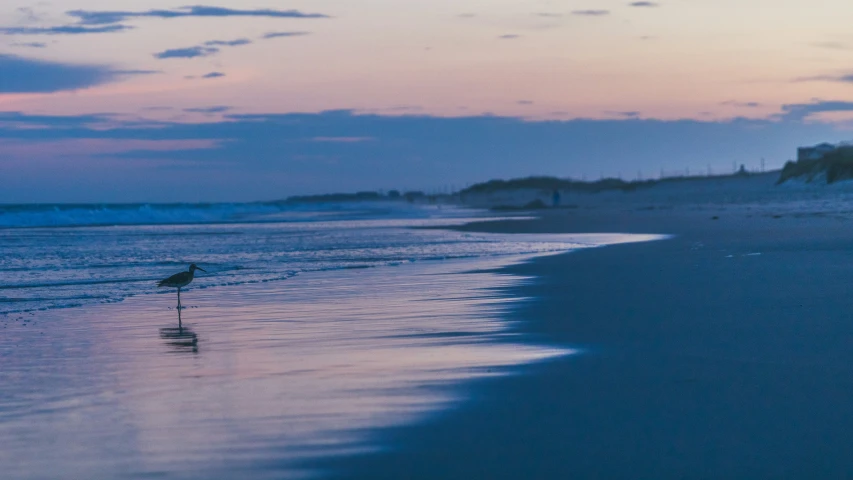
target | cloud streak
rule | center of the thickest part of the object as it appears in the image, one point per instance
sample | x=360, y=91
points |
x=624, y=114
x=104, y=17
x=98, y=147
x=214, y=109
x=205, y=50
x=591, y=13
x=228, y=43
x=798, y=112
x=733, y=103
x=341, y=139
x=109, y=21
x=136, y=72
x=843, y=78
x=25, y=75
x=271, y=35
x=189, y=52
x=64, y=30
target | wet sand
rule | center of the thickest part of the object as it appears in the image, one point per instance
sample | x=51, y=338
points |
x=723, y=352
x=259, y=378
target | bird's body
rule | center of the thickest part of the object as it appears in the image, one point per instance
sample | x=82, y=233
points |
x=180, y=280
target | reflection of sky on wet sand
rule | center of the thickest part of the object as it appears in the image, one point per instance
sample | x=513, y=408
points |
x=278, y=373
x=260, y=377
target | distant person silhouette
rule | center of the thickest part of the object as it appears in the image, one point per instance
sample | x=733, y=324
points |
x=555, y=198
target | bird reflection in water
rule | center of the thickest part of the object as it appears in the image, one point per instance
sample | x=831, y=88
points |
x=180, y=339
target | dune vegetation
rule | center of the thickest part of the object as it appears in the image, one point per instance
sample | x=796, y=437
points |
x=571, y=185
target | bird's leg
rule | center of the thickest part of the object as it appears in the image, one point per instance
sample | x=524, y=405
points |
x=179, y=309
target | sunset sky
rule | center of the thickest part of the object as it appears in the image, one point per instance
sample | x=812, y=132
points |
x=152, y=100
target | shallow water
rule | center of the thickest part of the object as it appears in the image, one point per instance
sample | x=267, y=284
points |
x=58, y=267
x=259, y=378
x=262, y=376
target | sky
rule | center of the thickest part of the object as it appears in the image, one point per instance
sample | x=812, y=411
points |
x=154, y=100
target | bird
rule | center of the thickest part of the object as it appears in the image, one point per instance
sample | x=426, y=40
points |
x=180, y=280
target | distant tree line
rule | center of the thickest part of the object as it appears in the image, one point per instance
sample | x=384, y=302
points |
x=357, y=197
x=581, y=186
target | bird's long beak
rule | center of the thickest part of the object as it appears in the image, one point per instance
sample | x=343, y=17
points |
x=199, y=268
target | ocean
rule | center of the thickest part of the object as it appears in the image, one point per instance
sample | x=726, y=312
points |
x=314, y=328
x=72, y=255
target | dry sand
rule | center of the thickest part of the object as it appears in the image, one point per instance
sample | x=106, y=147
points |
x=723, y=352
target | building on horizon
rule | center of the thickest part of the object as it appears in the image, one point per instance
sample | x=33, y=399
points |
x=816, y=152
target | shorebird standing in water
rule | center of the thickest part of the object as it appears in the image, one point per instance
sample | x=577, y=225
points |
x=180, y=280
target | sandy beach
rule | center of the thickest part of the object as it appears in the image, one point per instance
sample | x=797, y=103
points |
x=725, y=351
x=717, y=344
x=420, y=240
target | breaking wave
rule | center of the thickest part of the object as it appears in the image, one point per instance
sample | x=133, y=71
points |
x=76, y=215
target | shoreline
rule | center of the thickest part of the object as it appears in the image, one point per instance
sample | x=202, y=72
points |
x=722, y=352
x=254, y=383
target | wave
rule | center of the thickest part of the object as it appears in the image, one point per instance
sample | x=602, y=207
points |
x=89, y=215
x=227, y=276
